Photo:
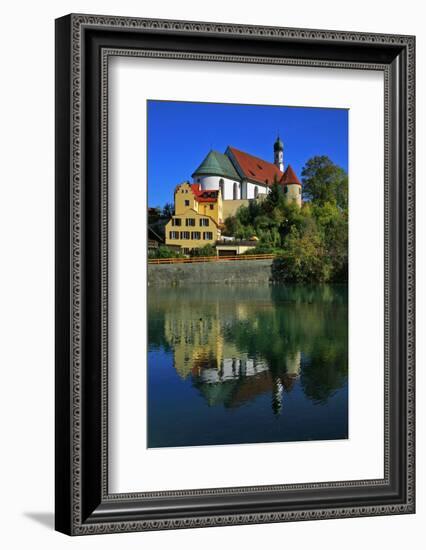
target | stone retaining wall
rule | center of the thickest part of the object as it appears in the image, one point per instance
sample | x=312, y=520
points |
x=226, y=272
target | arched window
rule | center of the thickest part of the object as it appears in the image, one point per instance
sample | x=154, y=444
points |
x=256, y=192
x=222, y=187
x=236, y=191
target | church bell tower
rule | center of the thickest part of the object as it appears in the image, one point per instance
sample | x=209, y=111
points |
x=279, y=154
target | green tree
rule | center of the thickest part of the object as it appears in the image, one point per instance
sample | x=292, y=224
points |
x=168, y=210
x=207, y=250
x=154, y=214
x=231, y=226
x=324, y=181
x=164, y=252
x=275, y=197
x=333, y=224
x=304, y=259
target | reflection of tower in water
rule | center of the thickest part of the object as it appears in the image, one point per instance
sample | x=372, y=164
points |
x=285, y=381
x=277, y=396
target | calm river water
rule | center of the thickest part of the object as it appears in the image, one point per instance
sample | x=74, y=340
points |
x=230, y=364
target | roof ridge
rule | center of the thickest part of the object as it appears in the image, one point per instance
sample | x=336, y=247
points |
x=250, y=155
x=254, y=168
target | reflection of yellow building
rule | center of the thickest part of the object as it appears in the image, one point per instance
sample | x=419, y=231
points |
x=196, y=334
x=201, y=348
x=195, y=341
x=208, y=339
x=197, y=218
x=198, y=342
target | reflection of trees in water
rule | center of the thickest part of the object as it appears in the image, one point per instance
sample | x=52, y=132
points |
x=313, y=320
x=156, y=322
x=291, y=330
x=323, y=373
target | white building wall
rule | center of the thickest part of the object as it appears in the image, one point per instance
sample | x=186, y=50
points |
x=245, y=189
x=211, y=183
x=251, y=190
x=208, y=183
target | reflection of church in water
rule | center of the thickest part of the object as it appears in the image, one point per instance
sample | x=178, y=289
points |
x=222, y=373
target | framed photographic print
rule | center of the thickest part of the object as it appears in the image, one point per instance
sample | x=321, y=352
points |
x=234, y=274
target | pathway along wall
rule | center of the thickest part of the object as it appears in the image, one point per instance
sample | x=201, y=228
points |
x=226, y=272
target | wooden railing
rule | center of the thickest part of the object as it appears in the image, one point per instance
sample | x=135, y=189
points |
x=199, y=259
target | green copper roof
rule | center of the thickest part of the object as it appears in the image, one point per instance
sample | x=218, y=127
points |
x=217, y=164
x=278, y=145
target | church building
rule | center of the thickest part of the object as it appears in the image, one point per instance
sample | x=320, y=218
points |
x=221, y=184
x=240, y=175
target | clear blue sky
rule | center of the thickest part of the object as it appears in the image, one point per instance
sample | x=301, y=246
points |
x=180, y=134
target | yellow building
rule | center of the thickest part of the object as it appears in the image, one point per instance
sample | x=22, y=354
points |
x=197, y=218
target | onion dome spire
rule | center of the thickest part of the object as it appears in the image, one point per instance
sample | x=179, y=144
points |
x=278, y=145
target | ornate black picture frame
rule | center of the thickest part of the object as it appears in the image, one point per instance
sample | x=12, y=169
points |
x=83, y=45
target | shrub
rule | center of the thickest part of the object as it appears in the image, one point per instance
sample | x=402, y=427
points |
x=164, y=252
x=208, y=250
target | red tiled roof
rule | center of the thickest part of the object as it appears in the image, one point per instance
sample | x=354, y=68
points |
x=290, y=177
x=203, y=196
x=256, y=169
x=196, y=188
x=253, y=386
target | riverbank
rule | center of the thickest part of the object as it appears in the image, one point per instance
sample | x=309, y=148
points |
x=247, y=272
